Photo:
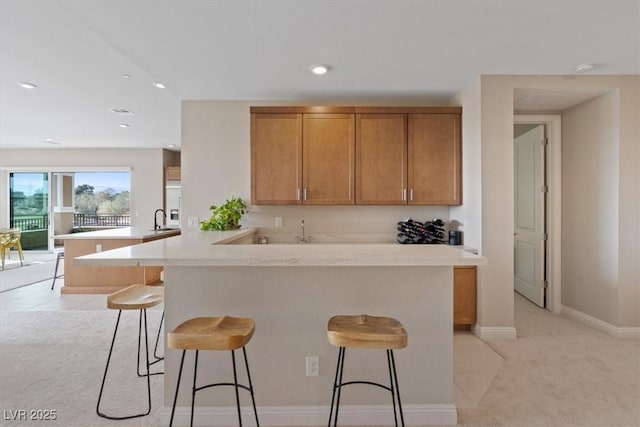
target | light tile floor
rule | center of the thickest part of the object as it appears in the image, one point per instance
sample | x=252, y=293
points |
x=475, y=363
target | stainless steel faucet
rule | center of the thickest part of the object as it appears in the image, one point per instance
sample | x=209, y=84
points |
x=304, y=238
x=155, y=218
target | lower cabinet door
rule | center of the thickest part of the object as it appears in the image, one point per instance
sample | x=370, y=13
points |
x=464, y=295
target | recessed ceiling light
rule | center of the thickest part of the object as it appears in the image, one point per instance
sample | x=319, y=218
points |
x=319, y=69
x=124, y=125
x=584, y=68
x=122, y=111
x=125, y=76
x=28, y=85
x=50, y=141
x=159, y=85
x=171, y=145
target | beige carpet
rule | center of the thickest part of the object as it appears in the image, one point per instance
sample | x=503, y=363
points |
x=560, y=373
x=557, y=373
x=54, y=360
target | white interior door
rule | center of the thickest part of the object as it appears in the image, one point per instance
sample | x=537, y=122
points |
x=529, y=233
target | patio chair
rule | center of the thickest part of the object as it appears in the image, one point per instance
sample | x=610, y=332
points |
x=10, y=238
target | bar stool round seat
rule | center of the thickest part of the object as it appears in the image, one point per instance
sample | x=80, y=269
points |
x=213, y=333
x=136, y=297
x=141, y=298
x=366, y=332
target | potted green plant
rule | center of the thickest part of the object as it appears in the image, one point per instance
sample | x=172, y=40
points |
x=226, y=216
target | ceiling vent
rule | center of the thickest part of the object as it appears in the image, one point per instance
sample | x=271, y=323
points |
x=122, y=111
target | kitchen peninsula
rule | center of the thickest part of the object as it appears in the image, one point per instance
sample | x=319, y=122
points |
x=291, y=290
x=105, y=280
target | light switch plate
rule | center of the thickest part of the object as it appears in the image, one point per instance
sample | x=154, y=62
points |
x=278, y=221
x=193, y=221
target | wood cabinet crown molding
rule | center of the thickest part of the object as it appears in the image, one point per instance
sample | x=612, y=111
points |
x=355, y=110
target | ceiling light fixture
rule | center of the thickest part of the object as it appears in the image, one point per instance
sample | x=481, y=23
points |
x=28, y=85
x=126, y=76
x=319, y=69
x=50, y=141
x=122, y=111
x=124, y=125
x=584, y=68
x=171, y=145
x=159, y=85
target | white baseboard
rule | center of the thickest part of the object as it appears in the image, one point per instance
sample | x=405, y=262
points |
x=494, y=332
x=614, y=331
x=361, y=415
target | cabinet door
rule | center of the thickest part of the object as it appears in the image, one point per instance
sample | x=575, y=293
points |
x=464, y=295
x=276, y=159
x=434, y=159
x=381, y=159
x=172, y=173
x=328, y=166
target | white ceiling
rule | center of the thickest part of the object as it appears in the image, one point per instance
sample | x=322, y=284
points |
x=76, y=52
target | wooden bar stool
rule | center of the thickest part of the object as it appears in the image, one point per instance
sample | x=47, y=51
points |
x=213, y=333
x=134, y=297
x=366, y=332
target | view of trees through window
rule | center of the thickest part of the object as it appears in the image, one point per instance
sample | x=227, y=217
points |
x=102, y=199
x=107, y=201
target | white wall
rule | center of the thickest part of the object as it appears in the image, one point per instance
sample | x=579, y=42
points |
x=468, y=214
x=145, y=164
x=216, y=165
x=590, y=207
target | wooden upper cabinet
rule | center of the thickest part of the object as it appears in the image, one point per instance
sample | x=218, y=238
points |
x=381, y=159
x=328, y=165
x=276, y=159
x=434, y=159
x=361, y=155
x=172, y=173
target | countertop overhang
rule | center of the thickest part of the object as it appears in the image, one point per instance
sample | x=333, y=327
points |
x=201, y=249
x=120, y=233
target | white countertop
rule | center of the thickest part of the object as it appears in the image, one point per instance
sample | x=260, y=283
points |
x=209, y=249
x=119, y=233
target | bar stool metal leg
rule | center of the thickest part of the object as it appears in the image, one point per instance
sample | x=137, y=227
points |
x=335, y=386
x=393, y=396
x=175, y=396
x=55, y=272
x=155, y=349
x=139, y=345
x=339, y=372
x=106, y=369
x=253, y=400
x=235, y=383
x=193, y=393
x=395, y=379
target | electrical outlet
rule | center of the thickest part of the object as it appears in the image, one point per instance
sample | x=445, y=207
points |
x=193, y=221
x=278, y=221
x=313, y=366
x=98, y=247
